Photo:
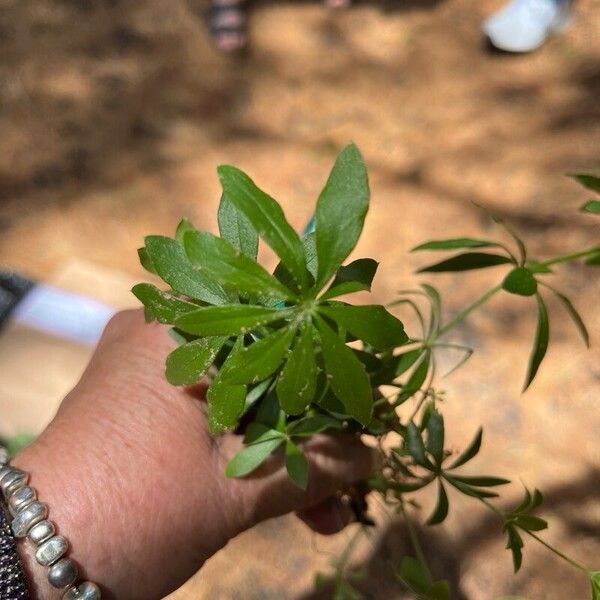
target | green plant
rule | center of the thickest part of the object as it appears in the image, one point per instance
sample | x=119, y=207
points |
x=276, y=345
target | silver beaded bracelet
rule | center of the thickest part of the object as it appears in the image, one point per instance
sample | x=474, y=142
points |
x=29, y=519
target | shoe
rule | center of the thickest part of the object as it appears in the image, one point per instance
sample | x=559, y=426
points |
x=524, y=25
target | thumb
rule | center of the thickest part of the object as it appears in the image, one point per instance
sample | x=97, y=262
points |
x=335, y=462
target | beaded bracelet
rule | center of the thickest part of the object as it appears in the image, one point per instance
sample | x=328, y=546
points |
x=29, y=519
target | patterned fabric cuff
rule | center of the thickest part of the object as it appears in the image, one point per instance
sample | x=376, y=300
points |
x=13, y=584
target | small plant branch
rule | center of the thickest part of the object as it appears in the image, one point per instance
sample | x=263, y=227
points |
x=570, y=257
x=461, y=316
x=558, y=553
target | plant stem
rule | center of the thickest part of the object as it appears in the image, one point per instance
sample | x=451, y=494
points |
x=461, y=316
x=414, y=540
x=539, y=539
x=558, y=553
x=569, y=257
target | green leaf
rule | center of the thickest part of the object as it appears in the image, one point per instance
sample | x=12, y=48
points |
x=174, y=267
x=435, y=436
x=235, y=227
x=298, y=381
x=540, y=344
x=235, y=271
x=296, y=465
x=184, y=226
x=355, y=277
x=530, y=523
x=259, y=360
x=520, y=281
x=188, y=363
x=417, y=378
x=253, y=455
x=415, y=446
x=454, y=244
x=575, y=316
x=468, y=490
x=347, y=377
x=587, y=180
x=440, y=512
x=341, y=211
x=312, y=425
x=145, y=260
x=515, y=543
x=535, y=266
x=225, y=405
x=436, y=306
x=591, y=206
x=233, y=319
x=407, y=360
x=266, y=217
x=370, y=323
x=466, y=262
x=593, y=260
x=470, y=451
x=164, y=307
x=480, y=480
x=595, y=581
x=415, y=574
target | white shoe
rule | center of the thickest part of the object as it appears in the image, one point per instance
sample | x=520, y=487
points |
x=524, y=25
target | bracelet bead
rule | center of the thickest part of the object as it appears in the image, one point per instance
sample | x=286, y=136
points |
x=20, y=499
x=4, y=456
x=84, y=591
x=12, y=481
x=25, y=519
x=41, y=532
x=51, y=550
x=63, y=573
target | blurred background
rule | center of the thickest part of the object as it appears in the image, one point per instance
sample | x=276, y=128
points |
x=113, y=118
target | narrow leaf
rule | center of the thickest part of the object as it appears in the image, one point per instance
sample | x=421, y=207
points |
x=174, y=267
x=454, y=244
x=540, y=344
x=591, y=206
x=188, y=363
x=235, y=227
x=233, y=270
x=371, y=323
x=480, y=480
x=266, y=217
x=415, y=574
x=252, y=456
x=163, y=306
x=341, y=211
x=595, y=581
x=470, y=451
x=520, y=281
x=407, y=360
x=259, y=360
x=587, y=180
x=575, y=316
x=415, y=446
x=225, y=405
x=312, y=425
x=515, y=543
x=298, y=381
x=466, y=262
x=233, y=319
x=435, y=436
x=296, y=465
x=469, y=490
x=417, y=377
x=440, y=512
x=347, y=377
x=530, y=523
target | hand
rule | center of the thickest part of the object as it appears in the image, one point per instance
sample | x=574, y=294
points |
x=136, y=484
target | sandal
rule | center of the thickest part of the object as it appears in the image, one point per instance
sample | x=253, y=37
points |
x=228, y=24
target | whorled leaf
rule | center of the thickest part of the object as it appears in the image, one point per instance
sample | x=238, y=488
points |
x=235, y=227
x=467, y=262
x=540, y=344
x=188, y=363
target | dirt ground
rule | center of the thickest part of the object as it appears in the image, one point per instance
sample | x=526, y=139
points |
x=114, y=116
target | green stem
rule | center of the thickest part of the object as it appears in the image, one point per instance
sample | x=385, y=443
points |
x=558, y=553
x=412, y=532
x=539, y=539
x=569, y=257
x=461, y=316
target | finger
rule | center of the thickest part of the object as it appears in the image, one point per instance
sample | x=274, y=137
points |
x=327, y=517
x=334, y=463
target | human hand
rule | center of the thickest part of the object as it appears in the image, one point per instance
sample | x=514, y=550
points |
x=137, y=485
